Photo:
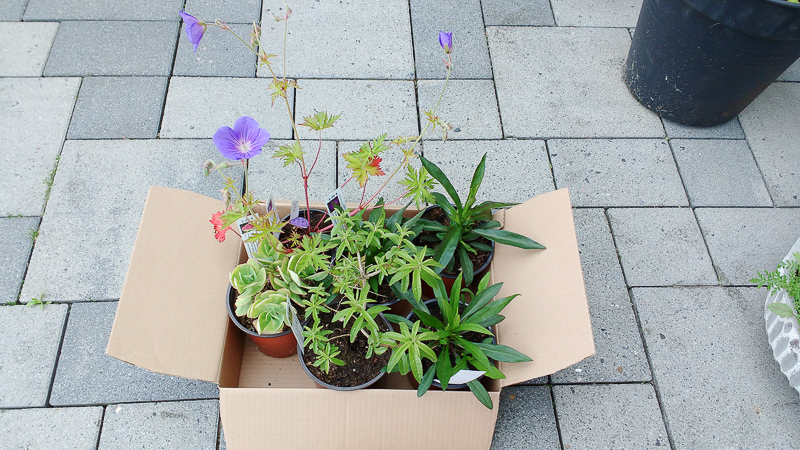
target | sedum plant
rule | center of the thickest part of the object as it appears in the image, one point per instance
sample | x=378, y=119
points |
x=467, y=222
x=443, y=340
x=785, y=277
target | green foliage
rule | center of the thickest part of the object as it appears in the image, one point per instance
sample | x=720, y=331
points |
x=289, y=154
x=785, y=277
x=38, y=301
x=468, y=222
x=448, y=331
x=319, y=121
x=419, y=186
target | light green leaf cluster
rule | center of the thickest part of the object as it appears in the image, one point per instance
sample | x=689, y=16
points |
x=785, y=277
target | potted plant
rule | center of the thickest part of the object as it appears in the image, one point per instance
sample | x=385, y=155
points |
x=451, y=344
x=345, y=325
x=701, y=62
x=462, y=234
x=782, y=313
x=265, y=290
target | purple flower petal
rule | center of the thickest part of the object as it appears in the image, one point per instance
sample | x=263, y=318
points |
x=299, y=222
x=446, y=41
x=194, y=28
x=244, y=141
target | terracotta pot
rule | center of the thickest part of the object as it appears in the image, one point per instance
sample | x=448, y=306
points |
x=280, y=345
x=322, y=384
x=450, y=279
x=435, y=383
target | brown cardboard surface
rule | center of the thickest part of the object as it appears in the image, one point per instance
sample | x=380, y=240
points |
x=367, y=419
x=271, y=403
x=171, y=316
x=549, y=320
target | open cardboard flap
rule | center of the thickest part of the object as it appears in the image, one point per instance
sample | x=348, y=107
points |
x=175, y=257
x=549, y=320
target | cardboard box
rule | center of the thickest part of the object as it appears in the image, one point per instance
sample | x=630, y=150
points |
x=171, y=319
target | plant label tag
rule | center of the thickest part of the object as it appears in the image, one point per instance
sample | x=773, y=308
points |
x=464, y=376
x=294, y=323
x=295, y=209
x=335, y=203
x=246, y=230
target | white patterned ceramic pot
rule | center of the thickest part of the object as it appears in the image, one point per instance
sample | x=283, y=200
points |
x=783, y=333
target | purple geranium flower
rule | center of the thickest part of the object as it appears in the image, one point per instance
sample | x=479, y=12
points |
x=446, y=41
x=243, y=141
x=194, y=28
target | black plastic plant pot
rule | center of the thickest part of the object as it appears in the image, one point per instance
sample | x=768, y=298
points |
x=436, y=384
x=325, y=385
x=701, y=62
x=279, y=345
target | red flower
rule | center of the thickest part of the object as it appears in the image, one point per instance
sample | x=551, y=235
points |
x=219, y=231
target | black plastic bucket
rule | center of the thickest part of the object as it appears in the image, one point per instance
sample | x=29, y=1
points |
x=701, y=62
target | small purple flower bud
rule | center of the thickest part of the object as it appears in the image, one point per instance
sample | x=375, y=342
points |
x=446, y=41
x=194, y=28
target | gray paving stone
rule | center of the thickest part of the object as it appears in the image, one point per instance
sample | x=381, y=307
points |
x=469, y=105
x=661, y=247
x=15, y=250
x=792, y=73
x=728, y=130
x=601, y=416
x=391, y=159
x=35, y=114
x=268, y=174
x=718, y=383
x=344, y=39
x=525, y=419
x=86, y=375
x=118, y=107
x=103, y=10
x=774, y=140
x=617, y=172
x=29, y=338
x=368, y=108
x=620, y=354
x=24, y=48
x=197, y=107
x=514, y=12
x=161, y=425
x=545, y=90
x=220, y=54
x=744, y=241
x=515, y=170
x=222, y=445
x=12, y=9
x=606, y=13
x=50, y=428
x=93, y=215
x=229, y=11
x=112, y=48
x=734, y=181
x=465, y=20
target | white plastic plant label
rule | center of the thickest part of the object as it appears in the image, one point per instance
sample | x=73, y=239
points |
x=464, y=376
x=246, y=230
x=295, y=209
x=294, y=323
x=334, y=201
